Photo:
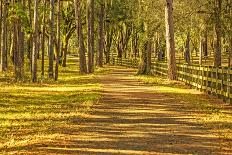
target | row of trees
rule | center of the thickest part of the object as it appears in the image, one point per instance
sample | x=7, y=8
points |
x=33, y=30
x=25, y=29
x=202, y=30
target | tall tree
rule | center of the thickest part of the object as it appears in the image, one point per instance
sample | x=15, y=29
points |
x=43, y=38
x=51, y=39
x=58, y=39
x=35, y=39
x=101, y=34
x=90, y=23
x=187, y=49
x=4, y=37
x=218, y=33
x=171, y=60
x=82, y=50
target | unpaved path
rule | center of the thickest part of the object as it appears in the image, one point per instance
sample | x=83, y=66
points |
x=132, y=119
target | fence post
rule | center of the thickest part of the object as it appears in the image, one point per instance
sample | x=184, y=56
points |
x=224, y=81
x=228, y=85
x=204, y=78
x=207, y=79
x=200, y=80
x=189, y=74
x=198, y=76
x=217, y=78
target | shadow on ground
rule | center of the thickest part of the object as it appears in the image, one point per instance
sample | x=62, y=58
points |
x=132, y=119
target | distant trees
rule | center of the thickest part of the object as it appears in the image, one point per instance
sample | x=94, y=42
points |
x=41, y=32
x=202, y=31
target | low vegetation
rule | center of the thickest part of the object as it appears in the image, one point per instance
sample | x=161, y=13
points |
x=35, y=112
x=208, y=110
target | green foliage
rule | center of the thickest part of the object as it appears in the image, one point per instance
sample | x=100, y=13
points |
x=17, y=13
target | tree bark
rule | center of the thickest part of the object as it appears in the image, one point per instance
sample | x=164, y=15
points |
x=201, y=50
x=218, y=33
x=58, y=40
x=230, y=52
x=4, y=38
x=65, y=51
x=51, y=40
x=30, y=39
x=205, y=44
x=43, y=40
x=171, y=60
x=35, y=39
x=148, y=64
x=160, y=48
x=187, y=49
x=90, y=23
x=101, y=35
x=109, y=31
x=143, y=59
x=82, y=50
x=1, y=11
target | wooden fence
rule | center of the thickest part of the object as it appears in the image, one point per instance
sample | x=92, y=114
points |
x=216, y=81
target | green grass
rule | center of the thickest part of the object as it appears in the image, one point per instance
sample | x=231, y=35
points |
x=35, y=112
x=208, y=110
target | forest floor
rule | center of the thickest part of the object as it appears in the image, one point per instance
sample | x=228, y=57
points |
x=135, y=115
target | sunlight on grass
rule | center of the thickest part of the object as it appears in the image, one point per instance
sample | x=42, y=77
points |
x=32, y=113
x=210, y=111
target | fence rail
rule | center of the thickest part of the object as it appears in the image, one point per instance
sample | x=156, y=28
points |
x=216, y=81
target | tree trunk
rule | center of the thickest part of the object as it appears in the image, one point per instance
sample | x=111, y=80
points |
x=101, y=35
x=43, y=40
x=205, y=44
x=201, y=50
x=20, y=65
x=4, y=38
x=82, y=50
x=148, y=64
x=160, y=48
x=143, y=60
x=58, y=41
x=187, y=49
x=218, y=33
x=35, y=39
x=90, y=22
x=230, y=39
x=171, y=60
x=230, y=52
x=136, y=44
x=65, y=51
x=109, y=39
x=1, y=10
x=30, y=39
x=15, y=50
x=51, y=40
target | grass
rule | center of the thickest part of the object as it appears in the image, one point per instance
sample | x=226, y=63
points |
x=208, y=110
x=35, y=112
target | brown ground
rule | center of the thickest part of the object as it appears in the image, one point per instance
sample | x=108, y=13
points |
x=132, y=119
